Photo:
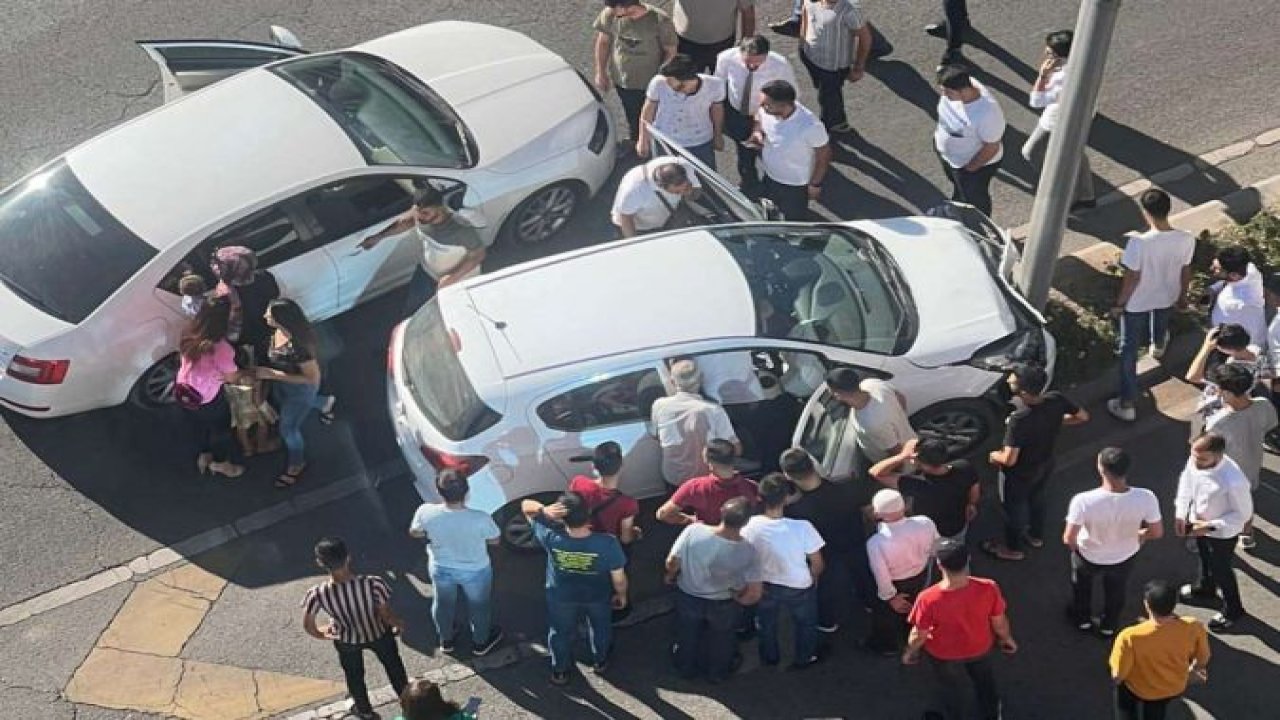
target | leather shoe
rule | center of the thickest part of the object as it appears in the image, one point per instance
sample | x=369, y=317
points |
x=938, y=29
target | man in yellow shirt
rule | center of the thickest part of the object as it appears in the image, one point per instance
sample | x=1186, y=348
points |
x=1152, y=661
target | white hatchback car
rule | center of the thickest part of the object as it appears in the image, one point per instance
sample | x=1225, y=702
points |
x=513, y=377
x=92, y=244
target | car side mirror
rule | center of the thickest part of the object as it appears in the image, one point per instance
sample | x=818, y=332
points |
x=284, y=37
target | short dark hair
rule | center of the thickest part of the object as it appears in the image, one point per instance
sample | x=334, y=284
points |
x=954, y=77
x=952, y=555
x=621, y=3
x=576, y=512
x=1211, y=442
x=1156, y=202
x=1161, y=596
x=774, y=489
x=735, y=512
x=779, y=91
x=331, y=553
x=1031, y=378
x=1233, y=336
x=1233, y=378
x=796, y=461
x=680, y=67
x=1114, y=461
x=428, y=197
x=452, y=485
x=754, y=45
x=607, y=458
x=933, y=451
x=720, y=452
x=1059, y=41
x=1233, y=259
x=844, y=379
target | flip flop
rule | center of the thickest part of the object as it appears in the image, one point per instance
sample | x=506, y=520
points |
x=289, y=479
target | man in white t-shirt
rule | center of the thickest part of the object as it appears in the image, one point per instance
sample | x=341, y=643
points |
x=1238, y=293
x=968, y=136
x=878, y=415
x=788, y=562
x=1157, y=269
x=649, y=193
x=687, y=107
x=1105, y=528
x=745, y=69
x=795, y=149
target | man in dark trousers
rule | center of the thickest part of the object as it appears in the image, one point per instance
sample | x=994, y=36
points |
x=952, y=29
x=1026, y=458
x=361, y=619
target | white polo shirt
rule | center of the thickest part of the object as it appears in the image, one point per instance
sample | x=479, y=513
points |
x=964, y=127
x=640, y=197
x=686, y=118
x=731, y=68
x=788, y=154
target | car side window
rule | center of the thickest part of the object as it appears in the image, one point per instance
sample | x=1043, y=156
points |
x=350, y=206
x=620, y=399
x=270, y=233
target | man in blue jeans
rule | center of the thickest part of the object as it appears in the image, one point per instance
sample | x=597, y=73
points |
x=1157, y=270
x=789, y=561
x=585, y=579
x=458, y=540
x=710, y=565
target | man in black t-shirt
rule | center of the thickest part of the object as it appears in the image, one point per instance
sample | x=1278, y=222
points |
x=836, y=511
x=945, y=492
x=1026, y=459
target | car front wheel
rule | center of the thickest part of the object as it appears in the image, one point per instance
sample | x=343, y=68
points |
x=516, y=529
x=155, y=388
x=964, y=425
x=542, y=214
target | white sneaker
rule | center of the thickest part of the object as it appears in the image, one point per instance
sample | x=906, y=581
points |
x=1120, y=412
x=1246, y=542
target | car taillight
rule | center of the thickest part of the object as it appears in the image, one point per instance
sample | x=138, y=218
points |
x=465, y=464
x=38, y=372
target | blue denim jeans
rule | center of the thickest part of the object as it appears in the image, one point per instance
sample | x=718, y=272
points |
x=705, y=152
x=562, y=617
x=476, y=585
x=802, y=607
x=1136, y=331
x=705, y=635
x=295, y=402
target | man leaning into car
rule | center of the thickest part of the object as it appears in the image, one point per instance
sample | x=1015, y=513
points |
x=452, y=248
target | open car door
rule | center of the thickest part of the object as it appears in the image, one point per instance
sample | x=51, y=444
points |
x=189, y=65
x=720, y=201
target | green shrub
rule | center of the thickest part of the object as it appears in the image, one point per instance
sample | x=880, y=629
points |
x=1086, y=340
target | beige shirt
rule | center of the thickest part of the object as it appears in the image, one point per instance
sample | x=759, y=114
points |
x=684, y=422
x=708, y=21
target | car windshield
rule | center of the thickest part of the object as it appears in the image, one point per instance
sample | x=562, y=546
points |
x=60, y=250
x=828, y=284
x=437, y=380
x=390, y=115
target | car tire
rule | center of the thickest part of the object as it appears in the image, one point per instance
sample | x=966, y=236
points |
x=154, y=388
x=965, y=424
x=515, y=530
x=538, y=217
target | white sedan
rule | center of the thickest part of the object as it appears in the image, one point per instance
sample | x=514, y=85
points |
x=270, y=155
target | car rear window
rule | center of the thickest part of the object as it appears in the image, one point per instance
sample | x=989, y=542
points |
x=437, y=380
x=61, y=250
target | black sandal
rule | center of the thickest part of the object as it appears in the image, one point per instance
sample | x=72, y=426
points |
x=289, y=479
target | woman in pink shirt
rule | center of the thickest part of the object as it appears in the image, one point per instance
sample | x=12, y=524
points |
x=208, y=361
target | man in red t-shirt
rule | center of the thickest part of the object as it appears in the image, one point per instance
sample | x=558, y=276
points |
x=705, y=495
x=612, y=511
x=956, y=622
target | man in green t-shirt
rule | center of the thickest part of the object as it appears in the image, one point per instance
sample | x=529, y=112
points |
x=632, y=40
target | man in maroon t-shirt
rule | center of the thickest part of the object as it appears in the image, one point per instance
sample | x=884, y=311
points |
x=956, y=622
x=705, y=495
x=612, y=511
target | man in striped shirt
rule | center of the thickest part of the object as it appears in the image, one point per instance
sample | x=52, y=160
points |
x=360, y=617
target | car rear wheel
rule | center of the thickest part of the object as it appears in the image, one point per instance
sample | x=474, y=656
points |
x=963, y=424
x=155, y=388
x=542, y=214
x=517, y=531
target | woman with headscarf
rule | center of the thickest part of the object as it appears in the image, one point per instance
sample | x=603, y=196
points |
x=249, y=291
x=207, y=362
x=294, y=369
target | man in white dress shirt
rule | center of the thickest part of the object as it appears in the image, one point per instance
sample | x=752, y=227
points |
x=1212, y=505
x=795, y=149
x=899, y=553
x=745, y=69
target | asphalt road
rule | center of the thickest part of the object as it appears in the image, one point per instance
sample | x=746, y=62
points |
x=92, y=491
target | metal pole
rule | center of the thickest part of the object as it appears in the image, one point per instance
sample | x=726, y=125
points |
x=1094, y=28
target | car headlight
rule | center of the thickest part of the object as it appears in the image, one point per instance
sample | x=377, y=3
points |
x=1023, y=347
x=600, y=135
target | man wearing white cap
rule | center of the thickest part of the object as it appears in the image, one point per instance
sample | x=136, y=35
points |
x=899, y=554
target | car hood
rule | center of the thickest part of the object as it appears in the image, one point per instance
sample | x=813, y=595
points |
x=960, y=306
